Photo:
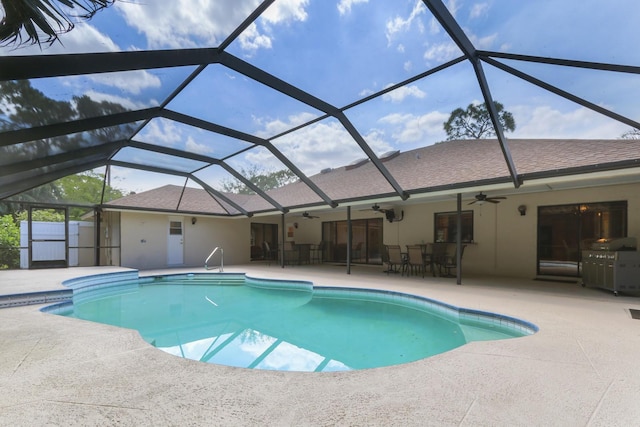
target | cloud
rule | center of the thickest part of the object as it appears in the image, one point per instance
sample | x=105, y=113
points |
x=129, y=81
x=404, y=92
x=185, y=23
x=200, y=23
x=401, y=25
x=286, y=11
x=421, y=129
x=549, y=122
x=127, y=103
x=319, y=146
x=453, y=7
x=277, y=126
x=484, y=42
x=448, y=50
x=442, y=52
x=251, y=40
x=344, y=6
x=193, y=147
x=478, y=10
x=161, y=132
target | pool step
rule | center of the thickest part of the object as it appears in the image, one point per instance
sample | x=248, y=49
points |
x=231, y=279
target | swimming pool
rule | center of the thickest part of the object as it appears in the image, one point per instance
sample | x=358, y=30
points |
x=234, y=320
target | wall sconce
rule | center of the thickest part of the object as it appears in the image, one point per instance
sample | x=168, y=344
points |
x=295, y=224
x=522, y=209
x=194, y=220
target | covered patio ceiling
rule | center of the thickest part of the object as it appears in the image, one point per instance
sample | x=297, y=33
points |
x=200, y=96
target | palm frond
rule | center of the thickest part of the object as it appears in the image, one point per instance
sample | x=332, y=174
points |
x=29, y=22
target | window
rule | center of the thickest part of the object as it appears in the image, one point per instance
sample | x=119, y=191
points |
x=175, y=228
x=446, y=225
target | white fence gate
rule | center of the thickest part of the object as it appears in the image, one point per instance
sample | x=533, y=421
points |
x=53, y=250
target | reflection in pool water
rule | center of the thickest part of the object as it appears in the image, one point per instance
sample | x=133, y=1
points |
x=283, y=325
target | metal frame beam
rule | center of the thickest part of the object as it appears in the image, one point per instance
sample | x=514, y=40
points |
x=602, y=66
x=8, y=189
x=40, y=66
x=212, y=192
x=82, y=125
x=210, y=161
x=106, y=150
x=202, y=124
x=564, y=94
x=285, y=88
x=451, y=26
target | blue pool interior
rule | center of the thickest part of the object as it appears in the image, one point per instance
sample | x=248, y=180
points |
x=235, y=320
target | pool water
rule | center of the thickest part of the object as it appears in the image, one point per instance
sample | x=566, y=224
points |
x=290, y=326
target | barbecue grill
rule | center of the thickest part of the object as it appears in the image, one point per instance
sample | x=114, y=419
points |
x=612, y=264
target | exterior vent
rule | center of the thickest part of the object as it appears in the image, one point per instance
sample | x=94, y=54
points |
x=357, y=163
x=389, y=155
x=326, y=170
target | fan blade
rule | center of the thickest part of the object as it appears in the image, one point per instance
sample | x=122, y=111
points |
x=491, y=201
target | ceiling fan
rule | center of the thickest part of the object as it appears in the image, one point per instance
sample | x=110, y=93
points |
x=377, y=208
x=481, y=198
x=390, y=214
x=308, y=215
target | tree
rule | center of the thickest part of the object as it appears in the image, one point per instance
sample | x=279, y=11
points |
x=475, y=122
x=631, y=134
x=43, y=19
x=23, y=106
x=85, y=188
x=263, y=179
x=9, y=243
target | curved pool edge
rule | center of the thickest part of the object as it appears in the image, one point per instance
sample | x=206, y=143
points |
x=470, y=320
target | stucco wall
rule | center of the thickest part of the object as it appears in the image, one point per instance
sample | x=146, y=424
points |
x=145, y=240
x=504, y=241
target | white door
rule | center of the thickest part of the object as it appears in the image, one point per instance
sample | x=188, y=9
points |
x=175, y=247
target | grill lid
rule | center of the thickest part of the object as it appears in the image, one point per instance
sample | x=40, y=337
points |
x=623, y=244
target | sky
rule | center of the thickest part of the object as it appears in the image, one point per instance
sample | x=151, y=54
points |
x=341, y=51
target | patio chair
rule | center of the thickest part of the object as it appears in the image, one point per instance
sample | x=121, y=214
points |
x=395, y=259
x=268, y=254
x=356, y=253
x=415, y=260
x=317, y=253
x=450, y=259
x=438, y=257
x=427, y=255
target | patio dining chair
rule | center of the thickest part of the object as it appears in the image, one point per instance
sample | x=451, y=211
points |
x=427, y=255
x=438, y=257
x=395, y=260
x=268, y=254
x=415, y=260
x=451, y=259
x=317, y=253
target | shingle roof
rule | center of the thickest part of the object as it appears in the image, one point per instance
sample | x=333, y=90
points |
x=450, y=163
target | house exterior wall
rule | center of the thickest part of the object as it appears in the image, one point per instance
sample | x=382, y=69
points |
x=145, y=235
x=505, y=243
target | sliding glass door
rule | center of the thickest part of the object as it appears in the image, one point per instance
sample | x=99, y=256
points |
x=366, y=245
x=564, y=231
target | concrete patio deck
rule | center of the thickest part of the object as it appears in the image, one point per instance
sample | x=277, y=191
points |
x=581, y=369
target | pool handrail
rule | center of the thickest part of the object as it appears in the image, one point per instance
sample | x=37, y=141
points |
x=221, y=267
